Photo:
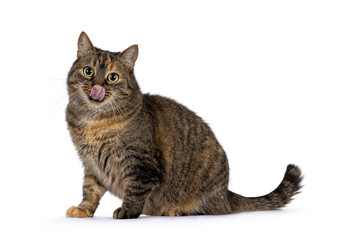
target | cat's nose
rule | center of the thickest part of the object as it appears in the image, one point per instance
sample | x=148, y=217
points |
x=98, y=81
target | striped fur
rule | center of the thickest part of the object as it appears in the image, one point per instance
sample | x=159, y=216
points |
x=155, y=154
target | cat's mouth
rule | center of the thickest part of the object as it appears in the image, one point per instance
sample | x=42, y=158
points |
x=95, y=100
x=97, y=93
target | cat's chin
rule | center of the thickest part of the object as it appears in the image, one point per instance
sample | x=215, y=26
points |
x=95, y=102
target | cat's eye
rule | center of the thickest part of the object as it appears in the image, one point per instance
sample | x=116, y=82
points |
x=112, y=77
x=88, y=71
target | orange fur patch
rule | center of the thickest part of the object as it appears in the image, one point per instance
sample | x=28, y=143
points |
x=78, y=213
x=99, y=128
x=184, y=209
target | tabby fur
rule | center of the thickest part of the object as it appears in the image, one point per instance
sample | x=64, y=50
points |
x=156, y=155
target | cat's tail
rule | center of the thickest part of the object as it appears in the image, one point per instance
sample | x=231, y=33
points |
x=282, y=195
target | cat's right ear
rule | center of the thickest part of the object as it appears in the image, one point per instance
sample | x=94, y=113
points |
x=84, y=45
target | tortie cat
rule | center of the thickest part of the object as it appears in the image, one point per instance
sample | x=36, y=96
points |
x=155, y=154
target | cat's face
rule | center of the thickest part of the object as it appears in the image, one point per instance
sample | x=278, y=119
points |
x=102, y=80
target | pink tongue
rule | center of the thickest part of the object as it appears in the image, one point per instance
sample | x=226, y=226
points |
x=97, y=92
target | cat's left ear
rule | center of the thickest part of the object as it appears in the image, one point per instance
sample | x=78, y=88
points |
x=129, y=56
x=85, y=45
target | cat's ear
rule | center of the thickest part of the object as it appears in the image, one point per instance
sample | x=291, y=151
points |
x=84, y=45
x=129, y=56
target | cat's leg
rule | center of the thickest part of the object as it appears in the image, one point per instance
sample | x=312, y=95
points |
x=134, y=199
x=92, y=193
x=139, y=181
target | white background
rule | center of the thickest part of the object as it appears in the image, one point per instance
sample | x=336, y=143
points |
x=264, y=74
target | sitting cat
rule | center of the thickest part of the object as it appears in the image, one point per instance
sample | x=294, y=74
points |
x=155, y=154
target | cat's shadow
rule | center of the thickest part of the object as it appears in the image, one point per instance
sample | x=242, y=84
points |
x=144, y=218
x=167, y=219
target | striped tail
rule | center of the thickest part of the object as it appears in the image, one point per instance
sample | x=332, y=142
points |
x=282, y=195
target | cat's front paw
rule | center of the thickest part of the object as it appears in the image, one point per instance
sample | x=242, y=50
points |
x=124, y=213
x=78, y=213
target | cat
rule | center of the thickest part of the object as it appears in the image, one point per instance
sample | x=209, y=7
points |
x=155, y=154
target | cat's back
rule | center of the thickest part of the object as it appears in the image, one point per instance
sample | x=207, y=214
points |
x=178, y=130
x=170, y=111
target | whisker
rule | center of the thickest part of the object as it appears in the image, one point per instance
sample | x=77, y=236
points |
x=63, y=79
x=122, y=112
x=119, y=109
x=75, y=97
x=54, y=86
x=60, y=102
x=114, y=115
x=134, y=105
x=124, y=100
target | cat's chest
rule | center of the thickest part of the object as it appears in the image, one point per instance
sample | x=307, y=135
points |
x=101, y=149
x=108, y=171
x=91, y=135
x=99, y=131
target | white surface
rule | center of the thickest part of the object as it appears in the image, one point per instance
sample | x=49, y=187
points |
x=263, y=74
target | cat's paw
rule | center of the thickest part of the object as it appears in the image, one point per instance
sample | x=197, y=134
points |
x=78, y=213
x=124, y=213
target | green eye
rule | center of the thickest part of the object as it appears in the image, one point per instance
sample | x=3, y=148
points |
x=113, y=77
x=88, y=72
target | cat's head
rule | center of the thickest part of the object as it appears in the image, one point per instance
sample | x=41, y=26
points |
x=103, y=81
